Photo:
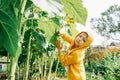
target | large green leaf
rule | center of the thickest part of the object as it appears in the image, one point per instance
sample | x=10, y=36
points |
x=50, y=27
x=74, y=9
x=40, y=38
x=4, y=4
x=72, y=30
x=54, y=37
x=8, y=27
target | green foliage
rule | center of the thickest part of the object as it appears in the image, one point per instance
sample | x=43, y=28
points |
x=12, y=26
x=72, y=30
x=107, y=69
x=28, y=4
x=37, y=46
x=43, y=13
x=8, y=26
x=4, y=4
x=108, y=24
x=3, y=52
x=56, y=20
x=50, y=26
x=32, y=23
x=22, y=59
x=74, y=9
x=93, y=76
x=54, y=37
x=40, y=38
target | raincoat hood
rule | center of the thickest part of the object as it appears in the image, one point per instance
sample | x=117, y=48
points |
x=86, y=43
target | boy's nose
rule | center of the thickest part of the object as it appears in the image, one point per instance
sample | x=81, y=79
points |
x=80, y=39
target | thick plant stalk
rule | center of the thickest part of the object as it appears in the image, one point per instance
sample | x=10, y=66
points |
x=14, y=60
x=56, y=70
x=39, y=66
x=13, y=65
x=12, y=69
x=28, y=58
x=51, y=64
x=8, y=64
x=20, y=15
x=45, y=68
x=41, y=69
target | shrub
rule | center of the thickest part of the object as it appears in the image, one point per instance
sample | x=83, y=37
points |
x=108, y=68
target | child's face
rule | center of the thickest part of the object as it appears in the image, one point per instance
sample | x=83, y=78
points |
x=80, y=39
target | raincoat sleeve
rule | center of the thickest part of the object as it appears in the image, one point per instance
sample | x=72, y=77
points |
x=73, y=58
x=67, y=38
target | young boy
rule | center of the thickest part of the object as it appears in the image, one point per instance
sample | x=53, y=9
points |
x=73, y=58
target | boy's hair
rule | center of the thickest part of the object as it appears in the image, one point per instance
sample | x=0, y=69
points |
x=82, y=32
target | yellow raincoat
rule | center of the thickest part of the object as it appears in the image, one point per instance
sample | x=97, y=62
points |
x=74, y=60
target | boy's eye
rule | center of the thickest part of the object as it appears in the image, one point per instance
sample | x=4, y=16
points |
x=84, y=40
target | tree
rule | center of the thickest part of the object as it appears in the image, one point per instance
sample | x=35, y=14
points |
x=108, y=25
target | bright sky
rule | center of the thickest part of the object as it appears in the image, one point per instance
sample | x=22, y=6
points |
x=94, y=8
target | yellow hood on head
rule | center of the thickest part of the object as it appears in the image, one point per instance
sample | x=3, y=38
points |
x=88, y=41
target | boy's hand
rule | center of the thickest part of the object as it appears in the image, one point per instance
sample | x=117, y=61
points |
x=63, y=30
x=59, y=46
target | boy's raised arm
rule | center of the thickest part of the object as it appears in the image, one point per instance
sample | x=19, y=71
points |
x=66, y=37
